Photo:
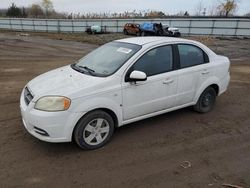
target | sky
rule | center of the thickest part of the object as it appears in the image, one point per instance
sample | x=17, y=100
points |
x=100, y=6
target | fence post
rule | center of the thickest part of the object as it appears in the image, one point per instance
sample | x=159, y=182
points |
x=21, y=21
x=86, y=24
x=33, y=22
x=236, y=28
x=47, y=28
x=58, y=26
x=46, y=23
x=10, y=24
x=102, y=25
x=212, y=30
x=117, y=26
x=72, y=25
x=189, y=28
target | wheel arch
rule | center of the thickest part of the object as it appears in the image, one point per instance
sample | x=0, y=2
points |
x=214, y=83
x=107, y=110
x=215, y=87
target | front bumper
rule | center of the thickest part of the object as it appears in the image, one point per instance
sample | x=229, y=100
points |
x=48, y=126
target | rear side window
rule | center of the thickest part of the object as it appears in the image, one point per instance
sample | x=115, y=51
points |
x=191, y=55
x=155, y=61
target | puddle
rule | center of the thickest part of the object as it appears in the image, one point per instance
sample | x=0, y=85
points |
x=12, y=70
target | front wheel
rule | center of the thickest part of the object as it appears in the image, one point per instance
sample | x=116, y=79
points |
x=94, y=130
x=206, y=101
x=143, y=33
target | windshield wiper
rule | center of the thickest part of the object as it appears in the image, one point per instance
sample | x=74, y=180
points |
x=77, y=68
x=87, y=68
x=90, y=71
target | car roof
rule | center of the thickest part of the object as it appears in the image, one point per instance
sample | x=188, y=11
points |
x=148, y=40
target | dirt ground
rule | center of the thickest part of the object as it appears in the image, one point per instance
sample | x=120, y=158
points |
x=143, y=154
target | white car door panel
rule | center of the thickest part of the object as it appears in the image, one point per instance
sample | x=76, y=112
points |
x=187, y=83
x=193, y=71
x=155, y=94
x=158, y=92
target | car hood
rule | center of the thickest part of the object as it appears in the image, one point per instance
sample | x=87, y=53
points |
x=63, y=81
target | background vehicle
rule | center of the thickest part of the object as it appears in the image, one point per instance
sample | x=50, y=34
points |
x=171, y=31
x=131, y=28
x=157, y=29
x=122, y=82
x=95, y=29
x=152, y=29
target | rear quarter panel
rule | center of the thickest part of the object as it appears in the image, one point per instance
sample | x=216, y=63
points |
x=219, y=75
x=222, y=71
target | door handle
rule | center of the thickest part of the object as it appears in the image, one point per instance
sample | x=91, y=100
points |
x=168, y=81
x=205, y=71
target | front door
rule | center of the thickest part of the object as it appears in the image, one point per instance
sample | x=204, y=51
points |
x=158, y=92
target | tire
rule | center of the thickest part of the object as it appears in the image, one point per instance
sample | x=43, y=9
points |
x=143, y=33
x=125, y=32
x=138, y=34
x=206, y=101
x=178, y=34
x=94, y=130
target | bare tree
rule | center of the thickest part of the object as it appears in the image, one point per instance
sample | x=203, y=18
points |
x=212, y=10
x=35, y=11
x=47, y=6
x=199, y=8
x=227, y=7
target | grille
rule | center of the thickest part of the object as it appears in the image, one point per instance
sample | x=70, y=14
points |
x=27, y=96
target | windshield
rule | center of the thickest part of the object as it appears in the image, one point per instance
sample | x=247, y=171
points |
x=106, y=59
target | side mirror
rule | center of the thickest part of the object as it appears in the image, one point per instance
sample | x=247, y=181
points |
x=137, y=76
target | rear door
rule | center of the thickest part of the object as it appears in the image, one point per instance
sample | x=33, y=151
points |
x=192, y=72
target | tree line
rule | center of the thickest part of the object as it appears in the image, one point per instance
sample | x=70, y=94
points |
x=45, y=9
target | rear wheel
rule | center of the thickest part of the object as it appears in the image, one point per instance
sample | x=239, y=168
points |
x=177, y=34
x=125, y=32
x=206, y=101
x=94, y=130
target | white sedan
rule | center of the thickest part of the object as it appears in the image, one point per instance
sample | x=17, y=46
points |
x=122, y=82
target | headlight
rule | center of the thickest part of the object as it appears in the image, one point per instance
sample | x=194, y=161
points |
x=52, y=103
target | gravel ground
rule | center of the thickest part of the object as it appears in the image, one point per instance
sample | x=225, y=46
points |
x=147, y=153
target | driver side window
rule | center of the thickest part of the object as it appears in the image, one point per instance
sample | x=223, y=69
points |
x=156, y=61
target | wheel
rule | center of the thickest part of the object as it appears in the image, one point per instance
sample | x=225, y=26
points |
x=143, y=33
x=125, y=32
x=138, y=34
x=206, y=101
x=94, y=130
x=171, y=34
x=178, y=34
